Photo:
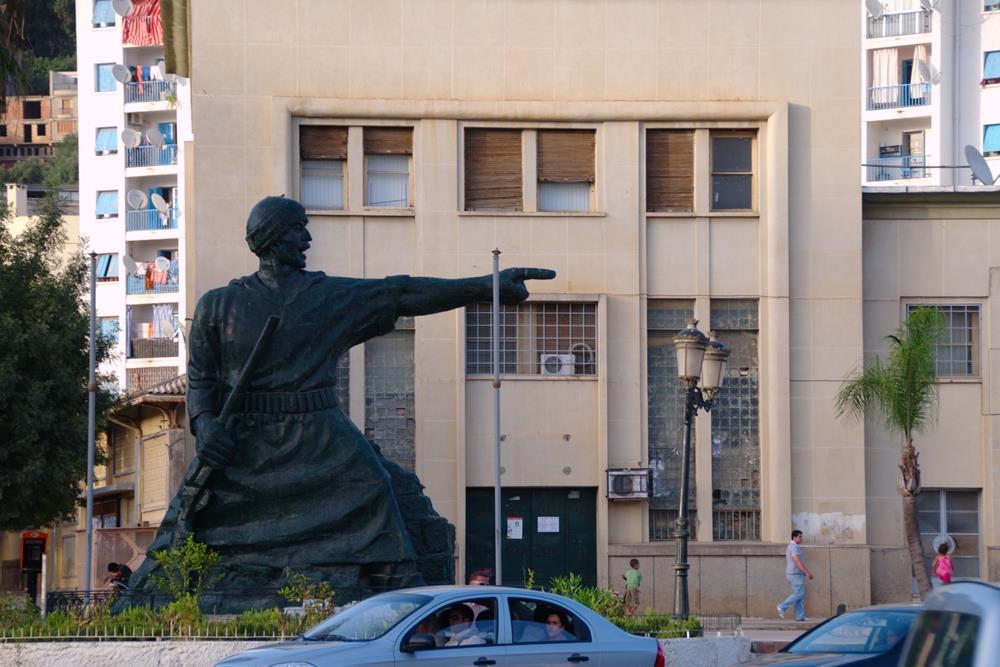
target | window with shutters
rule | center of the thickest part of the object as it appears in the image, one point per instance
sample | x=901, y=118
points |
x=387, y=166
x=493, y=170
x=323, y=155
x=565, y=169
x=669, y=170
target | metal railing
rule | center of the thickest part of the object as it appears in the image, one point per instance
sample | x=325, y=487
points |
x=150, y=348
x=141, y=379
x=899, y=24
x=896, y=168
x=149, y=91
x=736, y=525
x=661, y=524
x=151, y=156
x=899, y=96
x=137, y=285
x=149, y=219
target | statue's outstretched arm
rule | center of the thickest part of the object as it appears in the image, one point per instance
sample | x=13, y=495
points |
x=423, y=296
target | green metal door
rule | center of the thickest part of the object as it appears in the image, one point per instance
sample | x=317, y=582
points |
x=552, y=531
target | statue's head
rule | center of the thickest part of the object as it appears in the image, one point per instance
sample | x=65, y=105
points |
x=269, y=221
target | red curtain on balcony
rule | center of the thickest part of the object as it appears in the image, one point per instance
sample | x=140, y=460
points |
x=143, y=26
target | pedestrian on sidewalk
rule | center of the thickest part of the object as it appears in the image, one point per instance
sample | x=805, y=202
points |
x=633, y=578
x=941, y=567
x=795, y=573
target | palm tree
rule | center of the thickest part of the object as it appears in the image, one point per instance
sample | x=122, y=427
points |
x=904, y=393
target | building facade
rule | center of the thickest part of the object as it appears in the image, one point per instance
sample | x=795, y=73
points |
x=33, y=123
x=931, y=86
x=135, y=136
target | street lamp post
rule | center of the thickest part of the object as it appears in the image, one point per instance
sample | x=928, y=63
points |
x=704, y=359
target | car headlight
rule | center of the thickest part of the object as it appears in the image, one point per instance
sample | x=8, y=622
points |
x=293, y=664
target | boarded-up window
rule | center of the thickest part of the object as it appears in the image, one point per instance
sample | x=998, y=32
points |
x=493, y=170
x=322, y=142
x=565, y=169
x=388, y=140
x=670, y=170
x=323, y=154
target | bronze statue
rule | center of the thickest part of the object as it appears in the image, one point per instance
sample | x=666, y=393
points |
x=289, y=481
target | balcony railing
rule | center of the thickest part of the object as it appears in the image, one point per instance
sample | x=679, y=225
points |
x=152, y=348
x=736, y=524
x=137, y=285
x=897, y=168
x=141, y=379
x=149, y=219
x=898, y=96
x=897, y=25
x=151, y=156
x=149, y=91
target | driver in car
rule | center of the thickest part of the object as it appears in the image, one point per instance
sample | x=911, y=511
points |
x=461, y=631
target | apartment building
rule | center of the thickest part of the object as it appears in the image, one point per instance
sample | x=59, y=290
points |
x=33, y=123
x=135, y=135
x=931, y=86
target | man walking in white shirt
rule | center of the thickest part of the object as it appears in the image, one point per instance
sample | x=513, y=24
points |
x=795, y=573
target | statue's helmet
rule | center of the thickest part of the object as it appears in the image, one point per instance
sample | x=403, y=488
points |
x=269, y=219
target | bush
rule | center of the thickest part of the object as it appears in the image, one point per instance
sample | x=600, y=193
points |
x=316, y=598
x=16, y=611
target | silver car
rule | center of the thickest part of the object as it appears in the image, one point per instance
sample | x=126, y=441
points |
x=460, y=625
x=959, y=626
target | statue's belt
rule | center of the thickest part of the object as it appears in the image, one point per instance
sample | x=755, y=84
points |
x=285, y=402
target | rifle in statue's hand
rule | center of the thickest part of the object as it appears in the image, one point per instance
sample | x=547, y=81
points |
x=193, y=491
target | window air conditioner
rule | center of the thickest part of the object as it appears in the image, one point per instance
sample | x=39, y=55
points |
x=629, y=484
x=558, y=364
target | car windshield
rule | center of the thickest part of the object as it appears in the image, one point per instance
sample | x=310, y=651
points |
x=857, y=632
x=369, y=619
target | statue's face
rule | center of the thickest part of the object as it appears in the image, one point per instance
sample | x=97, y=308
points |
x=291, y=248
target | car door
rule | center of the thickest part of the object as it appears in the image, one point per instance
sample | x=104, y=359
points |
x=544, y=634
x=466, y=634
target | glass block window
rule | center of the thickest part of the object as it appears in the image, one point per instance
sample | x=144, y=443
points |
x=736, y=425
x=732, y=170
x=390, y=407
x=958, y=353
x=536, y=338
x=665, y=417
x=942, y=512
x=342, y=387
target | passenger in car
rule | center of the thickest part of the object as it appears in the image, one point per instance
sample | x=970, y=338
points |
x=555, y=628
x=461, y=631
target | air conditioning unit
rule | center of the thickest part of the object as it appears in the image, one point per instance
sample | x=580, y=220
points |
x=629, y=484
x=557, y=364
x=135, y=119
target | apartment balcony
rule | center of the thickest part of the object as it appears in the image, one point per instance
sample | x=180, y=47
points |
x=153, y=348
x=899, y=24
x=900, y=96
x=150, y=219
x=147, y=377
x=151, y=156
x=150, y=91
x=898, y=168
x=138, y=285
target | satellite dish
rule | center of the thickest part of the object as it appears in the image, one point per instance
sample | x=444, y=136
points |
x=122, y=7
x=130, y=266
x=131, y=138
x=980, y=170
x=162, y=264
x=875, y=8
x=155, y=137
x=121, y=73
x=928, y=5
x=159, y=203
x=136, y=199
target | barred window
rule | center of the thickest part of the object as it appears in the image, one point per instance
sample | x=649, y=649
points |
x=736, y=425
x=665, y=417
x=390, y=404
x=958, y=353
x=536, y=338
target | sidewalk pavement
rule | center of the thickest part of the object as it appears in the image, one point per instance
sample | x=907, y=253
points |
x=769, y=635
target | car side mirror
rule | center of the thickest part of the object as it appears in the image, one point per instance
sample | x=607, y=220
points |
x=419, y=641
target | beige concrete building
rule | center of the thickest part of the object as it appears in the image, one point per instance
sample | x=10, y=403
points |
x=667, y=159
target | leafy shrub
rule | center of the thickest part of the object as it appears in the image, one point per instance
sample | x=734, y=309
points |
x=16, y=611
x=316, y=598
x=185, y=571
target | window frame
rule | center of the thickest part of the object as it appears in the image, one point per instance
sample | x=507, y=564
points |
x=535, y=350
x=102, y=25
x=110, y=273
x=753, y=173
x=986, y=130
x=445, y=605
x=97, y=79
x=111, y=215
x=587, y=637
x=976, y=347
x=366, y=170
x=992, y=81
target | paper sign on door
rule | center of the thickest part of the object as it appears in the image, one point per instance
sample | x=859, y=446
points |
x=548, y=524
x=515, y=527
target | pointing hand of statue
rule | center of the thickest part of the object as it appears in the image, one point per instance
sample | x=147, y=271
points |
x=215, y=447
x=512, y=288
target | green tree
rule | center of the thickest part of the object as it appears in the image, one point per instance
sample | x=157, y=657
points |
x=44, y=326
x=13, y=47
x=63, y=168
x=904, y=393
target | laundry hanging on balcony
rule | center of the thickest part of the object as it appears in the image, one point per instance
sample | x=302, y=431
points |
x=885, y=77
x=144, y=26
